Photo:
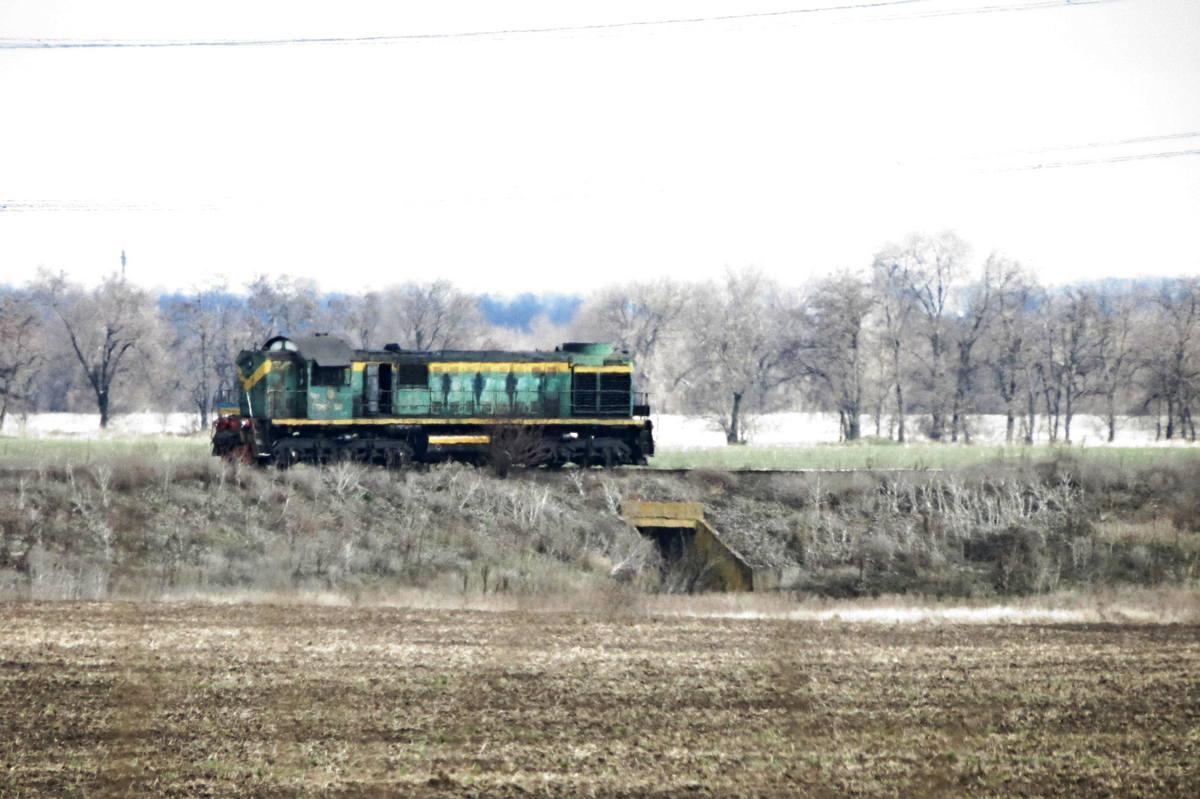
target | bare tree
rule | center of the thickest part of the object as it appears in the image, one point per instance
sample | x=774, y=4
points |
x=1078, y=331
x=739, y=362
x=362, y=317
x=878, y=384
x=354, y=317
x=1115, y=342
x=1008, y=348
x=430, y=316
x=21, y=354
x=1173, y=358
x=972, y=326
x=1047, y=364
x=638, y=316
x=105, y=327
x=1068, y=356
x=928, y=269
x=833, y=349
x=642, y=319
x=896, y=308
x=284, y=306
x=203, y=323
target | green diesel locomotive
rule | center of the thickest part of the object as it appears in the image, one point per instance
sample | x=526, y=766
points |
x=318, y=400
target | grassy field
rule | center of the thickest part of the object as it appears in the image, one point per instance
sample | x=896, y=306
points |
x=105, y=699
x=17, y=451
x=862, y=455
x=908, y=456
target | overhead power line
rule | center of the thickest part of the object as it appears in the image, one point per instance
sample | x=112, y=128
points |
x=61, y=44
x=103, y=43
x=1114, y=143
x=998, y=9
x=88, y=206
x=1110, y=160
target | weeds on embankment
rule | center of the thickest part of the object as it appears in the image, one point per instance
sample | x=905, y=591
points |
x=127, y=525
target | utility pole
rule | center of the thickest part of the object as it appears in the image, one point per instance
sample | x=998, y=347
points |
x=122, y=266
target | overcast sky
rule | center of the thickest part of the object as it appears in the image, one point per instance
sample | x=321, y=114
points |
x=561, y=149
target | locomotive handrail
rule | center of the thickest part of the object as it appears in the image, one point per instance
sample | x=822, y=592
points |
x=489, y=402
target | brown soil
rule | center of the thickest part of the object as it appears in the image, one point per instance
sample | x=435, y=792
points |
x=255, y=700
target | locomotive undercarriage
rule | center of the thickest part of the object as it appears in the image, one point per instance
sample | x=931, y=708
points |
x=300, y=449
x=397, y=446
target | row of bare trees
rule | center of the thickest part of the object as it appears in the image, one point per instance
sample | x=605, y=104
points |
x=924, y=333
x=64, y=347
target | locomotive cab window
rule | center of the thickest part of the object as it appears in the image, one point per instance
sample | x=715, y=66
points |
x=329, y=375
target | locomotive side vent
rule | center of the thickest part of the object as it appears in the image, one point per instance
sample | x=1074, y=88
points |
x=583, y=394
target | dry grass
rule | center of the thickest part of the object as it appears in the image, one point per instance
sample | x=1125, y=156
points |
x=1124, y=604
x=1156, y=531
x=259, y=700
x=1159, y=605
x=143, y=527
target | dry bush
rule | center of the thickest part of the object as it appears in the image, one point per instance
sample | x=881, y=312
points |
x=510, y=446
x=713, y=482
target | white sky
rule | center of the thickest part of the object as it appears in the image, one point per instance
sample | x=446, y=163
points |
x=562, y=161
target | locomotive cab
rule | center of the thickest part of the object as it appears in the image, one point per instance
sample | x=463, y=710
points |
x=302, y=378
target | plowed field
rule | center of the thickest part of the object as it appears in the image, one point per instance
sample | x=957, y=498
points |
x=255, y=700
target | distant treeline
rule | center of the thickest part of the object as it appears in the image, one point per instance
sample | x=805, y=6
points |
x=923, y=331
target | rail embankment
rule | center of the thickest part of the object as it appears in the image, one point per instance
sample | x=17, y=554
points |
x=132, y=525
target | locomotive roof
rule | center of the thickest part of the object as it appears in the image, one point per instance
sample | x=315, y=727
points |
x=325, y=350
x=332, y=351
x=482, y=356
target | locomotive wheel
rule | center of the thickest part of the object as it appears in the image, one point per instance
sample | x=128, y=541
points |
x=603, y=452
x=288, y=452
x=547, y=455
x=284, y=457
x=327, y=453
x=397, y=455
x=610, y=454
x=558, y=458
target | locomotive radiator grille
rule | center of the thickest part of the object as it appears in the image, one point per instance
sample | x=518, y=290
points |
x=601, y=394
x=614, y=393
x=583, y=394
